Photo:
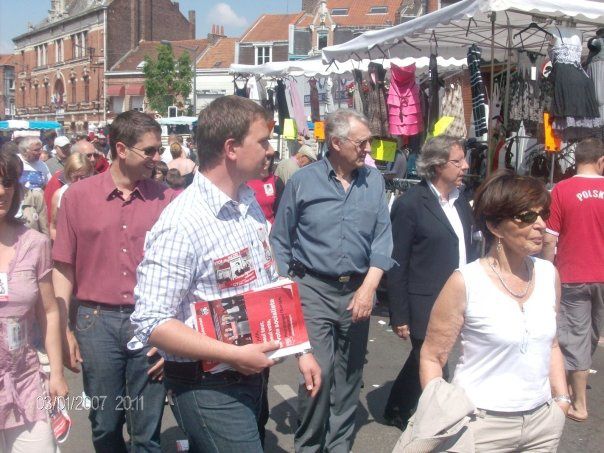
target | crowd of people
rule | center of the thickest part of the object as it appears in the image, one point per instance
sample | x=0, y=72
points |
x=104, y=246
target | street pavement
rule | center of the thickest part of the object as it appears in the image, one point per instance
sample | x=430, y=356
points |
x=386, y=354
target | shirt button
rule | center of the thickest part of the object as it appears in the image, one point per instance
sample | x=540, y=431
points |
x=124, y=250
x=125, y=296
x=123, y=227
x=124, y=273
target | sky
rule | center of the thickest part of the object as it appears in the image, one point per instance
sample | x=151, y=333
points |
x=235, y=15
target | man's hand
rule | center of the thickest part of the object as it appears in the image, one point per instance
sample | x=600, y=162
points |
x=156, y=371
x=311, y=372
x=402, y=331
x=361, y=303
x=251, y=358
x=71, y=352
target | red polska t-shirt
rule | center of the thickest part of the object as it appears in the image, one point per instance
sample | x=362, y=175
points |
x=577, y=218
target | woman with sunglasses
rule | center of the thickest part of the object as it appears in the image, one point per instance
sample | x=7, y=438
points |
x=28, y=310
x=504, y=305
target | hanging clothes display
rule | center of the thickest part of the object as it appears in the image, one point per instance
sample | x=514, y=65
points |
x=527, y=102
x=357, y=100
x=297, y=111
x=404, y=108
x=452, y=105
x=269, y=102
x=478, y=91
x=377, y=112
x=281, y=103
x=315, y=112
x=240, y=86
x=433, y=99
x=595, y=67
x=574, y=105
x=330, y=107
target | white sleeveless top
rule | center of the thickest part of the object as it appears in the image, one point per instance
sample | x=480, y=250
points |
x=505, y=360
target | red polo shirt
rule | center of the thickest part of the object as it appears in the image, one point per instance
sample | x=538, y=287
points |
x=102, y=235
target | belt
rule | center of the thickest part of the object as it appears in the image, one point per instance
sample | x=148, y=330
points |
x=300, y=270
x=192, y=372
x=512, y=414
x=125, y=308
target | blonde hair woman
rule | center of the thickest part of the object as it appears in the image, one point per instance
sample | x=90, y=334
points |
x=77, y=166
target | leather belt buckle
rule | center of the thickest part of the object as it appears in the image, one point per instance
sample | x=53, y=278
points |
x=344, y=278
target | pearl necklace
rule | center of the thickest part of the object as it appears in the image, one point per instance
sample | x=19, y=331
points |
x=517, y=295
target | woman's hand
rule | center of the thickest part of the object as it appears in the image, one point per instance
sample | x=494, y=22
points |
x=57, y=386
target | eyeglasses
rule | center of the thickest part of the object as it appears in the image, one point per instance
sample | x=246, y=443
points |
x=457, y=162
x=531, y=216
x=149, y=152
x=360, y=144
x=89, y=155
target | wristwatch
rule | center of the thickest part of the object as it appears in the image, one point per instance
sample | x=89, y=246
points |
x=297, y=355
x=563, y=398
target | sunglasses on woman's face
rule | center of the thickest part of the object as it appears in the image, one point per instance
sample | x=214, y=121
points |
x=531, y=216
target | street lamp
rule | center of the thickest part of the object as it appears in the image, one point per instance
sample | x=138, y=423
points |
x=193, y=67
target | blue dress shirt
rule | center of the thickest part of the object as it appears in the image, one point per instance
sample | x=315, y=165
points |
x=329, y=230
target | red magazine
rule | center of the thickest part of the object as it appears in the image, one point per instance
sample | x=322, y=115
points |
x=271, y=312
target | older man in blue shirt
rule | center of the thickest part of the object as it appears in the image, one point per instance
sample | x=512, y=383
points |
x=332, y=235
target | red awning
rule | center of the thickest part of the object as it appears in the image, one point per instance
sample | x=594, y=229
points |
x=115, y=90
x=135, y=89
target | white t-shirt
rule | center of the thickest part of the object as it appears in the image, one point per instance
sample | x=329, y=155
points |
x=35, y=174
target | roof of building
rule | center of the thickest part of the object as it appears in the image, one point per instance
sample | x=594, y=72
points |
x=7, y=60
x=272, y=27
x=74, y=8
x=133, y=59
x=364, y=12
x=220, y=55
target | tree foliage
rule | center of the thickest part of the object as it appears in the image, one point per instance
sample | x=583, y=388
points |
x=167, y=81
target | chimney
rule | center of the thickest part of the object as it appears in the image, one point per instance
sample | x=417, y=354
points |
x=216, y=33
x=192, y=24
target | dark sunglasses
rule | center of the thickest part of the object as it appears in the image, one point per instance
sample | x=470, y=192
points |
x=531, y=216
x=150, y=152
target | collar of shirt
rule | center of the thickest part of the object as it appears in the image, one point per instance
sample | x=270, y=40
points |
x=109, y=187
x=332, y=173
x=453, y=196
x=217, y=200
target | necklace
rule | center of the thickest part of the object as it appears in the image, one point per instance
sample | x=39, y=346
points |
x=517, y=295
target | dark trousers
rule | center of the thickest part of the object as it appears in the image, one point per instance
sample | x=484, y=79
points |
x=406, y=389
x=116, y=381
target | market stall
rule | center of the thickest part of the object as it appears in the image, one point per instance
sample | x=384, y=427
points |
x=517, y=37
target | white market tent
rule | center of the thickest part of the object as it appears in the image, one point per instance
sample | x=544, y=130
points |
x=313, y=68
x=455, y=27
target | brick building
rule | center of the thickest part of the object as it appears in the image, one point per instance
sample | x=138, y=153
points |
x=126, y=81
x=61, y=62
x=321, y=23
x=7, y=86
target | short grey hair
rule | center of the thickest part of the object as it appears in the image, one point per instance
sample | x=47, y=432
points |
x=26, y=142
x=435, y=152
x=337, y=124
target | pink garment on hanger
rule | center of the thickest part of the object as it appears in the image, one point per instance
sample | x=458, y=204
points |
x=404, y=108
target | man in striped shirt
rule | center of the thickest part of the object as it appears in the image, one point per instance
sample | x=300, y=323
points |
x=215, y=221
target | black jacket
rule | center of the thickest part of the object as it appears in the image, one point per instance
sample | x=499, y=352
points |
x=426, y=248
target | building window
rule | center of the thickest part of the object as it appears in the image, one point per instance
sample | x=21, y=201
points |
x=46, y=95
x=378, y=10
x=59, y=57
x=86, y=89
x=83, y=43
x=321, y=39
x=263, y=54
x=73, y=91
x=36, y=96
x=339, y=12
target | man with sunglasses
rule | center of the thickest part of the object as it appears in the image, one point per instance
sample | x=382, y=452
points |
x=574, y=241
x=431, y=229
x=332, y=235
x=101, y=228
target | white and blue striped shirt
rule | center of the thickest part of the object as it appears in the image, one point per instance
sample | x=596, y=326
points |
x=204, y=246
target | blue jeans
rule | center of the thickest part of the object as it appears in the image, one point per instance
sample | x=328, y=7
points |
x=116, y=381
x=220, y=413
